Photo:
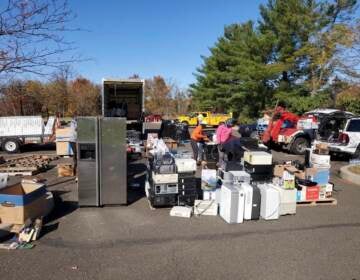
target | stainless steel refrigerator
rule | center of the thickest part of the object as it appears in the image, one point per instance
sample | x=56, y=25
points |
x=102, y=174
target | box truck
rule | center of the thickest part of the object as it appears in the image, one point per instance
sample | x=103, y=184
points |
x=123, y=98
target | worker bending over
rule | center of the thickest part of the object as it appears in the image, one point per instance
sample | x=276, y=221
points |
x=225, y=133
x=198, y=138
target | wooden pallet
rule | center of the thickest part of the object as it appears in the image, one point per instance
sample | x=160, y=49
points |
x=328, y=201
x=19, y=171
x=26, y=166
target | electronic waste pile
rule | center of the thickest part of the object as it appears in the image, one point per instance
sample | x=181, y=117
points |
x=249, y=189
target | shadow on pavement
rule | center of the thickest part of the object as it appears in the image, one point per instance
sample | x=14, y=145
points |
x=38, y=147
x=136, y=181
x=62, y=207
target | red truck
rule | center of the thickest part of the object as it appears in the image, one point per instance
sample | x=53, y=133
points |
x=295, y=134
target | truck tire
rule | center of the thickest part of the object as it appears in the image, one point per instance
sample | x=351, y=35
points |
x=299, y=146
x=11, y=146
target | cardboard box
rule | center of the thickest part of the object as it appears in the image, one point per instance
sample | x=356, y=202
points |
x=300, y=175
x=65, y=148
x=22, y=193
x=66, y=134
x=322, y=192
x=288, y=180
x=280, y=168
x=65, y=170
x=319, y=175
x=170, y=143
x=321, y=149
x=18, y=215
x=323, y=160
x=312, y=193
x=287, y=173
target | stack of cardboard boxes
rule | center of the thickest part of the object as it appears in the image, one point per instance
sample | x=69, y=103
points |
x=66, y=146
x=319, y=171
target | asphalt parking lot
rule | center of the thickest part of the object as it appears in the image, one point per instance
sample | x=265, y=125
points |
x=134, y=242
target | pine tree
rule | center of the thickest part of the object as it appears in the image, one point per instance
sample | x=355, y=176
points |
x=292, y=53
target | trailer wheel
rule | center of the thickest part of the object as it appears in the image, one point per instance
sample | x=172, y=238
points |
x=299, y=146
x=10, y=146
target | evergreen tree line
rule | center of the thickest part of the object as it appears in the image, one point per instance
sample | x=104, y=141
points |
x=301, y=52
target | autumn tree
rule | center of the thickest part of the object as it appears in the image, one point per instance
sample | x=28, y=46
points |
x=349, y=99
x=157, y=96
x=84, y=99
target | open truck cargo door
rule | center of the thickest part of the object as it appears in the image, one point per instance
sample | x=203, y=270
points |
x=123, y=98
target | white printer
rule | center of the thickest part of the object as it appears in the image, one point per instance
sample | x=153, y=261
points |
x=232, y=204
x=240, y=176
x=287, y=200
x=252, y=202
x=165, y=178
x=258, y=157
x=270, y=202
x=185, y=165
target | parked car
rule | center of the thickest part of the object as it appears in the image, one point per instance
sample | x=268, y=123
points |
x=348, y=141
x=248, y=130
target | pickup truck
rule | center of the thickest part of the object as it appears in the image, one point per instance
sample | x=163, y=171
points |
x=211, y=119
x=20, y=130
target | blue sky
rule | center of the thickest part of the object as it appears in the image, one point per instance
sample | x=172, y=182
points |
x=152, y=37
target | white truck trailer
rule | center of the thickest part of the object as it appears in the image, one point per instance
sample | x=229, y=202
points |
x=16, y=131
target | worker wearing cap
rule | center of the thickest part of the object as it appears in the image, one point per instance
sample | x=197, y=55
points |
x=197, y=141
x=200, y=118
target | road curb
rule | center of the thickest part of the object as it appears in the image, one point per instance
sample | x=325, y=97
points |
x=346, y=174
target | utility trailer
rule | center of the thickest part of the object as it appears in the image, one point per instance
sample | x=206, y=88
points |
x=19, y=130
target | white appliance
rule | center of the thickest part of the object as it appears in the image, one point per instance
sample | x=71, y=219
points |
x=258, y=157
x=240, y=176
x=205, y=208
x=170, y=188
x=165, y=178
x=185, y=165
x=181, y=211
x=232, y=204
x=147, y=188
x=270, y=202
x=241, y=204
x=209, y=194
x=287, y=200
x=248, y=191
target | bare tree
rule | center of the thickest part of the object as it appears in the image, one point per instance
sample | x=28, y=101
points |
x=32, y=36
